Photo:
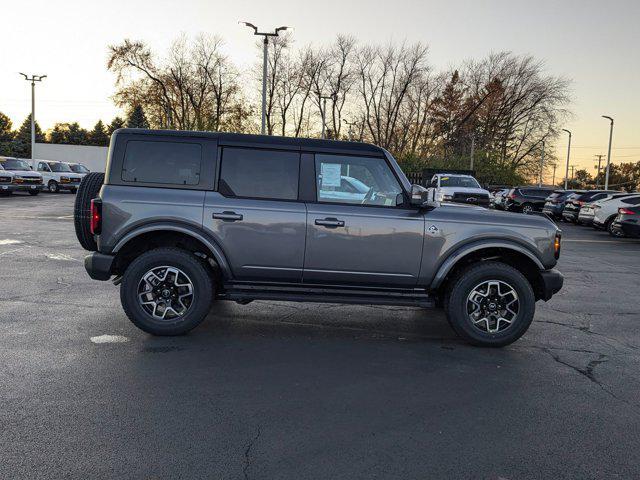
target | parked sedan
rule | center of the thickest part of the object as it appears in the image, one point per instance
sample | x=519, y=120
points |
x=554, y=204
x=605, y=211
x=627, y=223
x=574, y=204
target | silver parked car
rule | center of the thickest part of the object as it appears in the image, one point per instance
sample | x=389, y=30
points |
x=181, y=219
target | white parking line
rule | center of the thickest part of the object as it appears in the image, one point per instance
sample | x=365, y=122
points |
x=9, y=241
x=109, y=339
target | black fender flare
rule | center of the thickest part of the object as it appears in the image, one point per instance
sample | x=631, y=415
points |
x=456, y=255
x=215, y=249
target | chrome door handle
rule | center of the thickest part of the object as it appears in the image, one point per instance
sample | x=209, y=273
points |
x=227, y=216
x=329, y=222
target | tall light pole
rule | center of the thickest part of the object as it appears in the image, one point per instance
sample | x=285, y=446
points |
x=599, y=163
x=33, y=80
x=553, y=182
x=566, y=173
x=265, y=50
x=473, y=149
x=323, y=112
x=541, y=165
x=606, y=172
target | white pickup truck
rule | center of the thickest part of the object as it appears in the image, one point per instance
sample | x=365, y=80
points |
x=458, y=188
x=57, y=175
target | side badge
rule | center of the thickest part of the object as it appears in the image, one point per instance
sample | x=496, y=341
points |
x=433, y=230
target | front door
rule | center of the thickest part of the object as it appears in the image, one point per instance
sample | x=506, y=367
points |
x=358, y=230
x=255, y=215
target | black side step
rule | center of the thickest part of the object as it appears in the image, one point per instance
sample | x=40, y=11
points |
x=246, y=293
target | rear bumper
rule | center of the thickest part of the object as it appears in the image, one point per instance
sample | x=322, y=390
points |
x=552, y=281
x=570, y=216
x=628, y=229
x=585, y=219
x=98, y=265
x=552, y=211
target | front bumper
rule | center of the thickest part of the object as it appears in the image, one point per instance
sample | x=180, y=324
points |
x=21, y=187
x=99, y=266
x=552, y=281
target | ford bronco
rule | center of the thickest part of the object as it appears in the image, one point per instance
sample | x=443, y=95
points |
x=181, y=219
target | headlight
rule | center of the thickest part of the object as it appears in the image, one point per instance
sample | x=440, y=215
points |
x=439, y=196
x=447, y=197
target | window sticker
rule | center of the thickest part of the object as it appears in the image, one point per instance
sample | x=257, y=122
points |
x=331, y=174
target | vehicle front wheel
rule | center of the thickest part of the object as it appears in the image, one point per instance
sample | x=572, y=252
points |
x=53, y=187
x=527, y=209
x=166, y=291
x=490, y=304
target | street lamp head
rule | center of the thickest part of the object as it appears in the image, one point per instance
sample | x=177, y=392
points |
x=250, y=25
x=565, y=130
x=608, y=118
x=24, y=75
x=281, y=29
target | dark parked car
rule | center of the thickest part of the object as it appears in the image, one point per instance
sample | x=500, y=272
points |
x=185, y=218
x=627, y=223
x=574, y=204
x=555, y=203
x=527, y=199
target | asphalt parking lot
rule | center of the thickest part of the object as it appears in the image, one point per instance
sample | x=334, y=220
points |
x=282, y=390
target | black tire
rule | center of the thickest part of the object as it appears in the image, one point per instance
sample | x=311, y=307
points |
x=203, y=291
x=464, y=284
x=527, y=208
x=610, y=229
x=34, y=192
x=53, y=187
x=88, y=190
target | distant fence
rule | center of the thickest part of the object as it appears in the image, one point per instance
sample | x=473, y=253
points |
x=94, y=158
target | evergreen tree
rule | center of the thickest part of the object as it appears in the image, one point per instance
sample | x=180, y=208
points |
x=137, y=118
x=98, y=136
x=115, y=124
x=69, y=133
x=6, y=135
x=22, y=144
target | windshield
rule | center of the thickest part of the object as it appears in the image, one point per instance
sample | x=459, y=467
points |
x=15, y=164
x=79, y=168
x=466, y=182
x=59, y=167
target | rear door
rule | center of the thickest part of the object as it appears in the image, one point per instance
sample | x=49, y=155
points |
x=255, y=215
x=371, y=239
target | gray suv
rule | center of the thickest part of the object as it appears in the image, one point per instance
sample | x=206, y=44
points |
x=181, y=219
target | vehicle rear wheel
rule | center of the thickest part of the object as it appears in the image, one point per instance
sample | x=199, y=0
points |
x=166, y=291
x=88, y=190
x=34, y=192
x=612, y=232
x=527, y=209
x=490, y=304
x=53, y=187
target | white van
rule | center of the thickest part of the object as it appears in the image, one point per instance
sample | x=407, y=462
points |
x=57, y=176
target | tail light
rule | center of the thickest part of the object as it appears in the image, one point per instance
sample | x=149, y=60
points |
x=557, y=244
x=581, y=202
x=95, y=225
x=512, y=195
x=625, y=211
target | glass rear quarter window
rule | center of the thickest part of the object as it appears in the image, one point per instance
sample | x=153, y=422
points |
x=171, y=163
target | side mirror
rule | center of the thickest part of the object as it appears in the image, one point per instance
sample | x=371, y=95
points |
x=419, y=195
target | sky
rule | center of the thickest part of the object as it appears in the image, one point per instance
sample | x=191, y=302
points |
x=596, y=44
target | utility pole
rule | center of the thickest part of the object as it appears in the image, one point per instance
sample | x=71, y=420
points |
x=265, y=53
x=473, y=149
x=33, y=80
x=606, y=174
x=566, y=173
x=572, y=168
x=553, y=182
x=598, y=176
x=323, y=112
x=541, y=165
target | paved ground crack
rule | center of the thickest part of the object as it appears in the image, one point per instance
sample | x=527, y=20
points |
x=247, y=454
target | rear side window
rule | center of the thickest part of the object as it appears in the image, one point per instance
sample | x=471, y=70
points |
x=268, y=174
x=162, y=162
x=632, y=201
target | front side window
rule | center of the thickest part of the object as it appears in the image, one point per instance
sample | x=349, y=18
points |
x=255, y=173
x=59, y=167
x=42, y=167
x=15, y=164
x=356, y=180
x=78, y=168
x=176, y=163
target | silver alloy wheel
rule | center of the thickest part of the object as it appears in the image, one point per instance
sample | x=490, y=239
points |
x=165, y=292
x=53, y=187
x=527, y=209
x=492, y=306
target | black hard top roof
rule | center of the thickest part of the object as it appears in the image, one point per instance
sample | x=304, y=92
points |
x=239, y=139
